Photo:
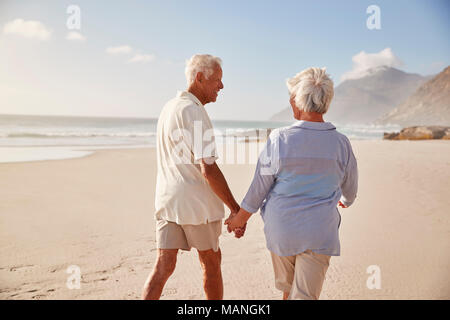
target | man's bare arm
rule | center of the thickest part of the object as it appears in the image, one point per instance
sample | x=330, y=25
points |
x=218, y=184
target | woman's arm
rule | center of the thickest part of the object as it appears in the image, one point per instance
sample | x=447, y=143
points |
x=263, y=180
x=264, y=177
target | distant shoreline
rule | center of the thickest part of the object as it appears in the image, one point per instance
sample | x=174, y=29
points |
x=23, y=154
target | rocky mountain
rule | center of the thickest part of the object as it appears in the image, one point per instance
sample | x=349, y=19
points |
x=429, y=105
x=420, y=133
x=366, y=99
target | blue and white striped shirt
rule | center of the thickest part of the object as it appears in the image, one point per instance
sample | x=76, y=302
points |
x=301, y=175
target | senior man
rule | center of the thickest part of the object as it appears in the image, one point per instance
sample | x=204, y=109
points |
x=190, y=188
x=306, y=171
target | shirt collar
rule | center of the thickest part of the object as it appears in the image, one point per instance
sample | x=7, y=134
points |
x=314, y=125
x=190, y=96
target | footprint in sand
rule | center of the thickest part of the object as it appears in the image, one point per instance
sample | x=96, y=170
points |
x=101, y=279
x=20, y=267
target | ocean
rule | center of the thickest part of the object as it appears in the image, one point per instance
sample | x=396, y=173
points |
x=28, y=138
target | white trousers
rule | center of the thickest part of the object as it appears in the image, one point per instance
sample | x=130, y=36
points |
x=301, y=275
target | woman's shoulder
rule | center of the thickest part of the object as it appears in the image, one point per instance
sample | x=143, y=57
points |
x=279, y=132
x=342, y=137
x=344, y=142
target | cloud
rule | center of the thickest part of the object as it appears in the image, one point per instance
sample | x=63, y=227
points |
x=119, y=50
x=28, y=29
x=363, y=61
x=75, y=36
x=142, y=58
x=125, y=49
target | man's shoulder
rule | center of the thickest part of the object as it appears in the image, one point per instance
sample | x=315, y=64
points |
x=180, y=102
x=181, y=107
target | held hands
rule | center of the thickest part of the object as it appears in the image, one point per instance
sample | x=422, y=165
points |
x=238, y=222
x=238, y=232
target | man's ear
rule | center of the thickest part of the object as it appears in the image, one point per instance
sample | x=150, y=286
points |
x=199, y=77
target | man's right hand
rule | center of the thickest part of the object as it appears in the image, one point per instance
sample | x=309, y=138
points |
x=232, y=214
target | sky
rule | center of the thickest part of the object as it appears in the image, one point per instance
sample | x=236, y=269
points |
x=126, y=58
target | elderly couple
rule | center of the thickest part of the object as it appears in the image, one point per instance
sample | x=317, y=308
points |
x=304, y=173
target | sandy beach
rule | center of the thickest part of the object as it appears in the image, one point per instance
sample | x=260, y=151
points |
x=97, y=213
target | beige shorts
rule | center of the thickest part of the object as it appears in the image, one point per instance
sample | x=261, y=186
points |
x=302, y=275
x=170, y=235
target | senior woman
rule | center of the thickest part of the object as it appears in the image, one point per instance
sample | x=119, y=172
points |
x=305, y=171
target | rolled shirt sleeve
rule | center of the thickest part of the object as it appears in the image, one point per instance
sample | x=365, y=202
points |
x=349, y=185
x=265, y=176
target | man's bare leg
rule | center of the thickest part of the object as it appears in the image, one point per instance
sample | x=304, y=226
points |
x=163, y=269
x=212, y=273
x=285, y=295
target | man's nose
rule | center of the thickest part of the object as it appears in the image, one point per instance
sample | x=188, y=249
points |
x=221, y=85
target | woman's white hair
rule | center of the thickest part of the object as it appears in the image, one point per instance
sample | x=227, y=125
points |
x=313, y=90
x=204, y=63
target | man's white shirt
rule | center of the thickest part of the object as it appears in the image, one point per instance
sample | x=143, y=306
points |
x=184, y=137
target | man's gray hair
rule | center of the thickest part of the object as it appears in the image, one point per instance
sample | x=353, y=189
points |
x=313, y=90
x=204, y=63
